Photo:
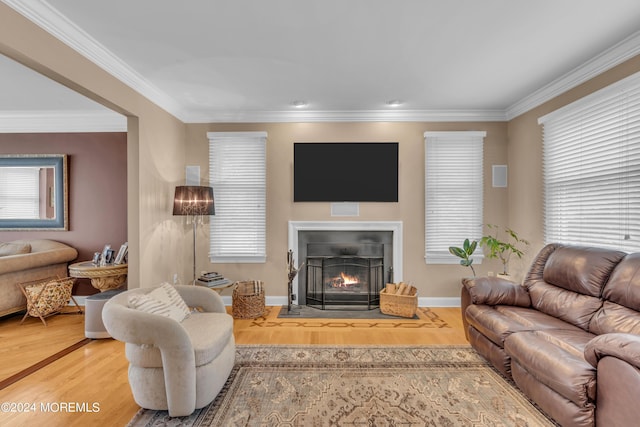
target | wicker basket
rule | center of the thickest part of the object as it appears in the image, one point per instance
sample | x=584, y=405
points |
x=398, y=305
x=247, y=300
x=46, y=297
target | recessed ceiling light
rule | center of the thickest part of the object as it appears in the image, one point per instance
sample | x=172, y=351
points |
x=394, y=103
x=299, y=104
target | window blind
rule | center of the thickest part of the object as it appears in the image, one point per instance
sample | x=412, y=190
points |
x=591, y=169
x=19, y=193
x=237, y=168
x=453, y=193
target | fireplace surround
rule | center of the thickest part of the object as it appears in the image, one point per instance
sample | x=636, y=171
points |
x=368, y=253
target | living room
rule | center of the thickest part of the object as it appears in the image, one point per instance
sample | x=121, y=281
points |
x=159, y=147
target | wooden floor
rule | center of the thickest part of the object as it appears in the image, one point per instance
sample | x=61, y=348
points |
x=88, y=385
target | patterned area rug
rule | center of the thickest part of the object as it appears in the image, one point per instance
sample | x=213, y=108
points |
x=360, y=386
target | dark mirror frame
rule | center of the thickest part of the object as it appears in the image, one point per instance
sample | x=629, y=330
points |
x=59, y=163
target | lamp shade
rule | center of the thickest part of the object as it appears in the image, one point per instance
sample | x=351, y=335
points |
x=193, y=200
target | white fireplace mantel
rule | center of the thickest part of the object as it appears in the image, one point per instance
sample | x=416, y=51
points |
x=394, y=226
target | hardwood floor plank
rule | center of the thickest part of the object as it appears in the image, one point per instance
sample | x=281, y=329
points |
x=93, y=377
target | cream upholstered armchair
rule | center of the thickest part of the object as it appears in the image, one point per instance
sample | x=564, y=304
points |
x=179, y=359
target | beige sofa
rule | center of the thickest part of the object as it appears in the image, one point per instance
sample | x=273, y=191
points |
x=28, y=260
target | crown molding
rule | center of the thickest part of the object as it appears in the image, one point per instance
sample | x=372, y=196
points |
x=617, y=54
x=48, y=18
x=61, y=121
x=51, y=20
x=349, y=116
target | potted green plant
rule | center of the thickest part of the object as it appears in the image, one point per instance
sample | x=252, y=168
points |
x=464, y=253
x=503, y=249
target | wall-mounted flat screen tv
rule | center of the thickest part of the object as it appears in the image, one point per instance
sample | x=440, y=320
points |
x=345, y=172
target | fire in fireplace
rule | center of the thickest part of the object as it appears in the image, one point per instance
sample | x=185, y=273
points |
x=354, y=277
x=344, y=281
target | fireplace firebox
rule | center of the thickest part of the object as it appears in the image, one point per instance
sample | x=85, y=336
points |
x=339, y=275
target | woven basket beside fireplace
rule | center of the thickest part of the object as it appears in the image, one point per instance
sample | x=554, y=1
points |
x=399, y=300
x=247, y=300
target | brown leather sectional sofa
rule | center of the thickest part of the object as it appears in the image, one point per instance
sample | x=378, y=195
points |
x=569, y=336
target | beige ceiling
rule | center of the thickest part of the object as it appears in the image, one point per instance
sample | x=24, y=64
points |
x=248, y=60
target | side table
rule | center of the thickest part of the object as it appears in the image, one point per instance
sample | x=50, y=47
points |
x=103, y=278
x=217, y=288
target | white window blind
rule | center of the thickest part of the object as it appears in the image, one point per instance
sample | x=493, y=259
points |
x=453, y=193
x=591, y=169
x=19, y=192
x=237, y=169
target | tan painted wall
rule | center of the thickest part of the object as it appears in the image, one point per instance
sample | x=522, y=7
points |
x=525, y=158
x=155, y=144
x=432, y=280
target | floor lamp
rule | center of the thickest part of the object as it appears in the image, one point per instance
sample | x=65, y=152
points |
x=193, y=201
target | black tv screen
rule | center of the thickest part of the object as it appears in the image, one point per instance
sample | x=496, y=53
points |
x=345, y=172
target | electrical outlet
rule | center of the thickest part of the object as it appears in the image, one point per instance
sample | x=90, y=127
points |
x=490, y=273
x=293, y=297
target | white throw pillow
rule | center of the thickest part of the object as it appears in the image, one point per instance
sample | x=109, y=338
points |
x=149, y=304
x=169, y=295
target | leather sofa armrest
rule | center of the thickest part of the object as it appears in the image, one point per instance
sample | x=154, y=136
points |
x=496, y=291
x=622, y=346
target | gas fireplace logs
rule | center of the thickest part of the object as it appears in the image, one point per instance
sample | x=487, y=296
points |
x=399, y=300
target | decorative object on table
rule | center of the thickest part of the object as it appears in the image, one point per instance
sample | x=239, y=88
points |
x=122, y=254
x=503, y=249
x=106, y=256
x=47, y=297
x=213, y=279
x=399, y=299
x=464, y=253
x=292, y=271
x=195, y=202
x=97, y=256
x=247, y=300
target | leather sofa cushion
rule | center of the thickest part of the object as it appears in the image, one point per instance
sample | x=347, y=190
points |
x=555, y=358
x=584, y=270
x=615, y=318
x=496, y=291
x=572, y=307
x=624, y=285
x=209, y=338
x=498, y=322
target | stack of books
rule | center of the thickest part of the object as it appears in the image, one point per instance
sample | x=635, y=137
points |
x=213, y=280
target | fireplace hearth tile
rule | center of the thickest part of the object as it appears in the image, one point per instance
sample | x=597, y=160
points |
x=306, y=312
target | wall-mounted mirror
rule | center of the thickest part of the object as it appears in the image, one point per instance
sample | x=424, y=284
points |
x=33, y=192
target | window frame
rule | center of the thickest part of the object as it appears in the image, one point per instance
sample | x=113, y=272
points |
x=440, y=254
x=228, y=209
